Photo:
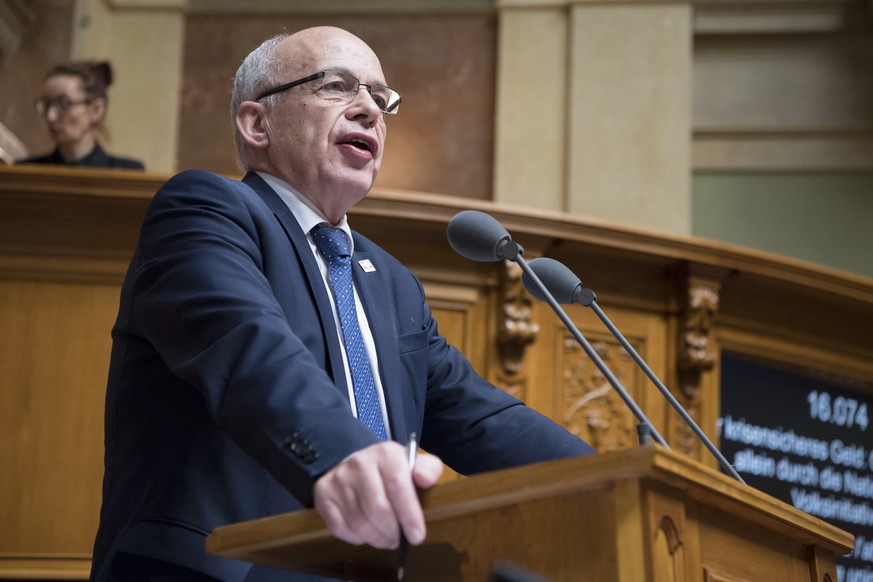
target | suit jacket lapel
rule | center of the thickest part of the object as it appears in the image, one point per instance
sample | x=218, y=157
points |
x=380, y=315
x=313, y=276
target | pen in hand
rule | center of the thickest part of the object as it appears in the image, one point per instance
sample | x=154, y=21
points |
x=411, y=454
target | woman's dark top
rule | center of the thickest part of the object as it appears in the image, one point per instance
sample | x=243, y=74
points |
x=96, y=159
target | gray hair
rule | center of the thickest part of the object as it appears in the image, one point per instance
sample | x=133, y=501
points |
x=257, y=72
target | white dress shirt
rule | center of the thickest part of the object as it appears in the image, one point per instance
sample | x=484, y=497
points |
x=308, y=217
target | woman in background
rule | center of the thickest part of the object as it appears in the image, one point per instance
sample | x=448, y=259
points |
x=74, y=104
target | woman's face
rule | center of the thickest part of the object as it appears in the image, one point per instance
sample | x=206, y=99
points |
x=71, y=117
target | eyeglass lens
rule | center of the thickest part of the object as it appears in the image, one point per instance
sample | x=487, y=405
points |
x=345, y=86
x=62, y=104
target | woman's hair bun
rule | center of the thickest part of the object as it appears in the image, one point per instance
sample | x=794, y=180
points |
x=103, y=71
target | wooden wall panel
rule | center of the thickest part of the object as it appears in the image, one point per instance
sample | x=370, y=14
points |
x=54, y=354
x=458, y=310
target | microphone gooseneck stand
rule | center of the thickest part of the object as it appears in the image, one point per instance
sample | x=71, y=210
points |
x=479, y=237
x=565, y=284
x=645, y=428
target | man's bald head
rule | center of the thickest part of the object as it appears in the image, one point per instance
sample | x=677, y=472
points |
x=285, y=57
x=300, y=116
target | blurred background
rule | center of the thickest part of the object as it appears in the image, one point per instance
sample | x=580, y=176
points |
x=745, y=121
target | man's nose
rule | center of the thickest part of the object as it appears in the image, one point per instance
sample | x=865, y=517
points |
x=373, y=109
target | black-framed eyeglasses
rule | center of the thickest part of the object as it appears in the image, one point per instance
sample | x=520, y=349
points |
x=62, y=104
x=343, y=86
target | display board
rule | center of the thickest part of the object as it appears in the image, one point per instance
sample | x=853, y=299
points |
x=806, y=440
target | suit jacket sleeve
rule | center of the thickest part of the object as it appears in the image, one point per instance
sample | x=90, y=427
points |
x=201, y=296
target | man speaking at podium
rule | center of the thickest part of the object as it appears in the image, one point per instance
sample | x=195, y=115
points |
x=267, y=358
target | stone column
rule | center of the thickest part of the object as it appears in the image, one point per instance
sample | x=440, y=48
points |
x=594, y=109
x=530, y=146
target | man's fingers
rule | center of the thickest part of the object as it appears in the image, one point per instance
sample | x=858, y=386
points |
x=427, y=471
x=407, y=508
x=404, y=497
x=370, y=495
x=352, y=500
x=377, y=516
x=334, y=519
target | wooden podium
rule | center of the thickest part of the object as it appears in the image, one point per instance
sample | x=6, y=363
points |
x=639, y=515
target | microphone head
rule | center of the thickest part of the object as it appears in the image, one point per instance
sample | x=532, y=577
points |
x=555, y=277
x=479, y=237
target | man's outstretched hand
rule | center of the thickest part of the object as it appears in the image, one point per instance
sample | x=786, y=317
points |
x=369, y=496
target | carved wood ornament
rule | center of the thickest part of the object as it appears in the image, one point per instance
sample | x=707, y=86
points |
x=592, y=409
x=697, y=353
x=516, y=330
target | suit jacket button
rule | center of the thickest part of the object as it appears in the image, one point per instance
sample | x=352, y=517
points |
x=300, y=447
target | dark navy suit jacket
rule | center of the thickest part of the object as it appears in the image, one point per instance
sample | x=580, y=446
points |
x=226, y=397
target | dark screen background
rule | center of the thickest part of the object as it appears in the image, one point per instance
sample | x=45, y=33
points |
x=806, y=441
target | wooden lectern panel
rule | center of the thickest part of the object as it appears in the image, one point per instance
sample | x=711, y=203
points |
x=644, y=514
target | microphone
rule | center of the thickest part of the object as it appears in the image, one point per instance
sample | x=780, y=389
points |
x=479, y=237
x=559, y=280
x=566, y=287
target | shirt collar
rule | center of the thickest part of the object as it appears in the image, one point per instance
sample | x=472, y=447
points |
x=306, y=214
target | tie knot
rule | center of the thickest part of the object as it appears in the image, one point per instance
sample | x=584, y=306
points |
x=332, y=242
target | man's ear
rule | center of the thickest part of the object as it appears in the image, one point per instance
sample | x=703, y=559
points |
x=252, y=124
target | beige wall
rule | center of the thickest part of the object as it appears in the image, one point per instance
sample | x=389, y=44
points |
x=783, y=129
x=630, y=124
x=531, y=133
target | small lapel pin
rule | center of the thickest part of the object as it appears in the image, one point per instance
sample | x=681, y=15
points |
x=367, y=266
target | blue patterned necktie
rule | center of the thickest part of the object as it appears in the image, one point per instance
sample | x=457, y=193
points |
x=334, y=245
